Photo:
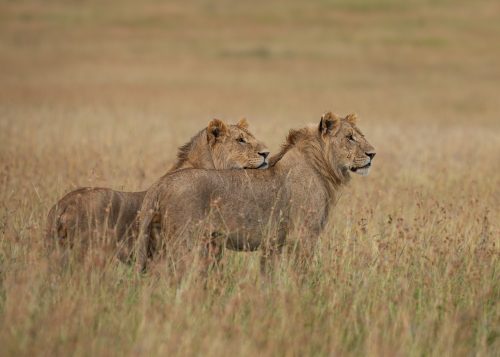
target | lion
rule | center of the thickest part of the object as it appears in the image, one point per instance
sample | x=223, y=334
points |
x=106, y=214
x=246, y=210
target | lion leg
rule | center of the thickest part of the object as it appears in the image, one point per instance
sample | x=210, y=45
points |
x=303, y=251
x=268, y=258
x=212, y=251
x=270, y=253
x=271, y=249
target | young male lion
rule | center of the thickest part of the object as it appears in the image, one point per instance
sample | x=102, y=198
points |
x=95, y=214
x=238, y=209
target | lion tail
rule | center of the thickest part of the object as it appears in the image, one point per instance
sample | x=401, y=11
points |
x=143, y=244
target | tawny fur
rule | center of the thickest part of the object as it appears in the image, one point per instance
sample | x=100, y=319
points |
x=96, y=215
x=248, y=209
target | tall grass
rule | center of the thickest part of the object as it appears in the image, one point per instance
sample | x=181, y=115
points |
x=103, y=95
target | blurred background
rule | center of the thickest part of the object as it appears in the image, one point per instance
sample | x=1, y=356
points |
x=103, y=92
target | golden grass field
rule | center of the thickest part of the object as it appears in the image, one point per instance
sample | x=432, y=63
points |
x=102, y=93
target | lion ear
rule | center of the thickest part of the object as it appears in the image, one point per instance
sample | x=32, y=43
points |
x=216, y=128
x=352, y=118
x=329, y=123
x=243, y=123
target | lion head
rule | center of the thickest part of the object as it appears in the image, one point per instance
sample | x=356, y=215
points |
x=234, y=147
x=347, y=147
x=223, y=146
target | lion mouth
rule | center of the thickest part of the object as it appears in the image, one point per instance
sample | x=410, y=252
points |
x=264, y=165
x=354, y=169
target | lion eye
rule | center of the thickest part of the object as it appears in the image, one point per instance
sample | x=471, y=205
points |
x=241, y=140
x=350, y=137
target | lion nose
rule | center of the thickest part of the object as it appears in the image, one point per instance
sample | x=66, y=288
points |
x=371, y=155
x=264, y=154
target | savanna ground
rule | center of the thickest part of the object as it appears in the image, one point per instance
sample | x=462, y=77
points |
x=102, y=93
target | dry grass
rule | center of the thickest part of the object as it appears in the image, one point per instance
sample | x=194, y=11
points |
x=102, y=94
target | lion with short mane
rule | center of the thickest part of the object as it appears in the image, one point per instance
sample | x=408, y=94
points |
x=249, y=209
x=103, y=215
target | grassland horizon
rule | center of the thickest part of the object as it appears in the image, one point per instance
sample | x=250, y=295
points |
x=103, y=94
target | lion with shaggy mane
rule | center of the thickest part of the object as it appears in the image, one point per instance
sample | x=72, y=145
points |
x=98, y=214
x=247, y=209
